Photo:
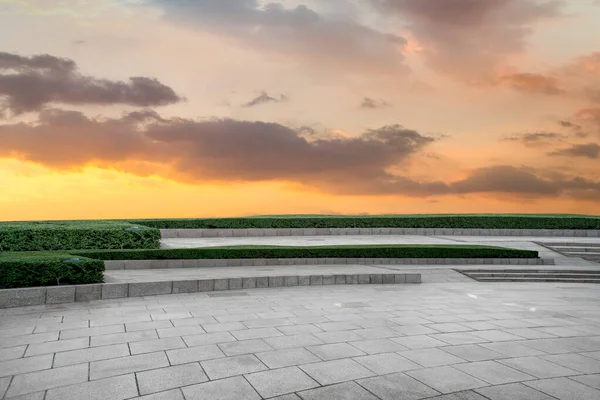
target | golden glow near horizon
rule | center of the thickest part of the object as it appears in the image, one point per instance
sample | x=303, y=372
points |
x=254, y=115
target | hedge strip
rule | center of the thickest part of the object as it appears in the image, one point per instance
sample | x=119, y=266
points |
x=375, y=251
x=66, y=235
x=18, y=271
x=391, y=221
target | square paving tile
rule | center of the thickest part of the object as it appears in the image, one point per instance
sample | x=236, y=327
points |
x=458, y=338
x=473, y=352
x=565, y=389
x=397, y=387
x=236, y=388
x=377, y=346
x=191, y=354
x=493, y=372
x=231, y=366
x=335, y=351
x=576, y=362
x=328, y=372
x=590, y=380
x=340, y=391
x=117, y=388
x=538, y=367
x=277, y=382
x=387, y=363
x=162, y=379
x=126, y=365
x=47, y=379
x=512, y=349
x=446, y=379
x=431, y=357
x=285, y=342
x=418, y=342
x=287, y=357
x=513, y=391
x=244, y=347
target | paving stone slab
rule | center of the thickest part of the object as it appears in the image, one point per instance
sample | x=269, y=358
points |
x=231, y=366
x=281, y=381
x=48, y=379
x=115, y=388
x=236, y=388
x=446, y=379
x=162, y=379
x=340, y=391
x=565, y=389
x=397, y=387
x=329, y=372
x=513, y=391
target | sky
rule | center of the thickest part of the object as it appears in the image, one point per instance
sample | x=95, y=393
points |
x=215, y=108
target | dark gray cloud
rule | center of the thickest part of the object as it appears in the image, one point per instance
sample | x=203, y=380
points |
x=373, y=104
x=467, y=38
x=587, y=150
x=298, y=33
x=230, y=150
x=30, y=83
x=264, y=98
x=569, y=124
x=534, y=139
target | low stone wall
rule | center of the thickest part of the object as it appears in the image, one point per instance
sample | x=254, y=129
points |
x=205, y=233
x=69, y=294
x=260, y=262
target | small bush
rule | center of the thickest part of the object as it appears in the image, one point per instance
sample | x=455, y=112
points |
x=527, y=221
x=375, y=251
x=66, y=235
x=21, y=270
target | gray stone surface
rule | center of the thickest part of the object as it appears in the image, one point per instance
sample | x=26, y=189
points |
x=115, y=388
x=206, y=285
x=115, y=290
x=231, y=366
x=280, y=381
x=150, y=288
x=88, y=292
x=329, y=372
x=236, y=388
x=406, y=330
x=48, y=379
x=446, y=379
x=22, y=297
x=190, y=286
x=340, y=391
x=221, y=284
x=162, y=379
x=397, y=387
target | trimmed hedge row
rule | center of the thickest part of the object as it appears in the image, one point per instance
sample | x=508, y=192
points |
x=20, y=270
x=374, y=251
x=559, y=221
x=66, y=235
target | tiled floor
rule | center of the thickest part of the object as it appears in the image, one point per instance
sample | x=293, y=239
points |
x=448, y=340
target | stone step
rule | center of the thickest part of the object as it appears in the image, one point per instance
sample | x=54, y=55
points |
x=582, y=253
x=571, y=244
x=584, y=249
x=254, y=262
x=540, y=279
x=115, y=290
x=523, y=275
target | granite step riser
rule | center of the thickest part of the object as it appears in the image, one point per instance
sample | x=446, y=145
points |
x=102, y=291
x=206, y=233
x=531, y=280
x=217, y=263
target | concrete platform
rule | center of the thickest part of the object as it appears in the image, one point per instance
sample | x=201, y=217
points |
x=462, y=340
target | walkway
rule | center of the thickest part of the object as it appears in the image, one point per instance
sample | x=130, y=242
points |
x=478, y=341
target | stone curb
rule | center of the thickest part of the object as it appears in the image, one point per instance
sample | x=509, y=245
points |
x=69, y=294
x=203, y=233
x=260, y=262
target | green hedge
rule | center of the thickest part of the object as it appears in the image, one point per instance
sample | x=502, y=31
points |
x=374, y=251
x=527, y=221
x=66, y=235
x=26, y=270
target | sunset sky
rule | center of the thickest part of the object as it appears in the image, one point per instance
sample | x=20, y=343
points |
x=203, y=108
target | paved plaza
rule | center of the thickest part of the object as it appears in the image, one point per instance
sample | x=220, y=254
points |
x=448, y=341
